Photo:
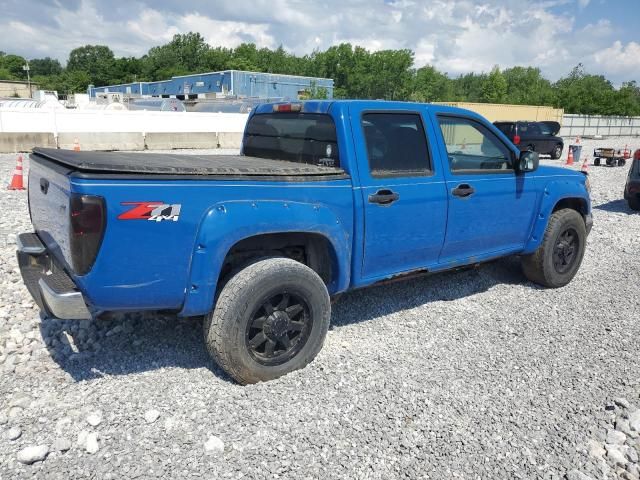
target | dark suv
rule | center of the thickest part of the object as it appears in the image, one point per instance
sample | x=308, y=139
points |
x=537, y=136
x=632, y=188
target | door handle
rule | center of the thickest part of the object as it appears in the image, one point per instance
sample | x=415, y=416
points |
x=463, y=190
x=384, y=197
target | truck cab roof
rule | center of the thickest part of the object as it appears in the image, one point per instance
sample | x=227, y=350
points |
x=327, y=106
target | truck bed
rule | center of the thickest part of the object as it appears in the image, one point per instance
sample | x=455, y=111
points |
x=134, y=163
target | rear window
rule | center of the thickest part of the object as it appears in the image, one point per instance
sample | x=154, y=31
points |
x=308, y=138
x=506, y=128
x=545, y=129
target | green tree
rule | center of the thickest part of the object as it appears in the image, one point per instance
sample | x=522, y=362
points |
x=184, y=54
x=580, y=92
x=429, y=85
x=527, y=86
x=216, y=59
x=13, y=65
x=468, y=87
x=45, y=66
x=127, y=70
x=97, y=61
x=494, y=87
x=628, y=99
x=65, y=83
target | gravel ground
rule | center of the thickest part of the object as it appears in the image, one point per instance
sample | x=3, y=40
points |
x=474, y=374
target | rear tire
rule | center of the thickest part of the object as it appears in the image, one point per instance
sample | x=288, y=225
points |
x=557, y=259
x=271, y=318
x=634, y=203
x=556, y=153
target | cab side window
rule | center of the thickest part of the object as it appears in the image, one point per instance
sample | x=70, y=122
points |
x=396, y=145
x=472, y=147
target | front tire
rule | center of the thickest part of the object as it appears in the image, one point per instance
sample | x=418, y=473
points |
x=557, y=259
x=271, y=318
x=556, y=153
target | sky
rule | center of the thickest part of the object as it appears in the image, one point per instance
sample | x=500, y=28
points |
x=456, y=36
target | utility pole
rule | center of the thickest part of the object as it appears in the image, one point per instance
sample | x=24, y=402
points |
x=27, y=69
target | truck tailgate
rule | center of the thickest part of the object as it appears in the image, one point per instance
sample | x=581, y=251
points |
x=49, y=190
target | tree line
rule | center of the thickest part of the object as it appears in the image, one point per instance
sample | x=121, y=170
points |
x=357, y=73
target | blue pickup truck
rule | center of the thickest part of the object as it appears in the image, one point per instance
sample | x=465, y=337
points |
x=326, y=196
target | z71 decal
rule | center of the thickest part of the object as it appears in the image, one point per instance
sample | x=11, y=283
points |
x=155, y=211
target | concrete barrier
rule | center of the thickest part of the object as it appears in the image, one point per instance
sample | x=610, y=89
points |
x=229, y=139
x=102, y=141
x=24, y=142
x=168, y=141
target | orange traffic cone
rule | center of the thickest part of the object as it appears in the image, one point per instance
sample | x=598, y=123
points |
x=585, y=166
x=76, y=145
x=626, y=153
x=17, y=181
x=570, y=157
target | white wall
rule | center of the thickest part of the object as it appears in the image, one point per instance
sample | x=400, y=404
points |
x=593, y=125
x=78, y=121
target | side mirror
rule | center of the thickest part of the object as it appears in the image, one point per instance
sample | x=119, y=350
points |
x=528, y=161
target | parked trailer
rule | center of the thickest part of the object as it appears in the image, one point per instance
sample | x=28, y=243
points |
x=29, y=103
x=241, y=105
x=157, y=104
x=103, y=106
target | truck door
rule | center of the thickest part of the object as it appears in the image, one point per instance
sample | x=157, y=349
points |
x=403, y=190
x=491, y=208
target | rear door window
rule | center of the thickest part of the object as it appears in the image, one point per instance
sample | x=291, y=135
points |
x=396, y=144
x=308, y=138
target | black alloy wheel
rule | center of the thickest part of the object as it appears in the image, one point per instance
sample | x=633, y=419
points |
x=565, y=250
x=278, y=329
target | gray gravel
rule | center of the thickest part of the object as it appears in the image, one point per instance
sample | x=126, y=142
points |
x=475, y=374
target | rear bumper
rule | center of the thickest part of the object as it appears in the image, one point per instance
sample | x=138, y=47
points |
x=52, y=289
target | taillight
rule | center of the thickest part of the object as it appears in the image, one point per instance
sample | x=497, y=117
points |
x=287, y=107
x=87, y=219
x=516, y=139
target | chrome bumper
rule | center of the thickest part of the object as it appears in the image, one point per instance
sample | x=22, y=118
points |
x=52, y=289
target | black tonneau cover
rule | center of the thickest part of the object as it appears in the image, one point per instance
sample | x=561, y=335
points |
x=172, y=164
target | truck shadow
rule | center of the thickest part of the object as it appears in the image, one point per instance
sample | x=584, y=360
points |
x=615, y=206
x=138, y=342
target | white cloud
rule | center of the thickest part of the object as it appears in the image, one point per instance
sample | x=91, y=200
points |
x=619, y=58
x=226, y=33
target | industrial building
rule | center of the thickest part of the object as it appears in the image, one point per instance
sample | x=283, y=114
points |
x=225, y=84
x=17, y=89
